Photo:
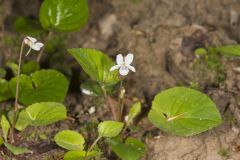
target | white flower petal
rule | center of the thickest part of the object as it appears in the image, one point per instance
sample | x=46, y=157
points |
x=32, y=39
x=123, y=70
x=119, y=59
x=131, y=68
x=114, y=67
x=37, y=46
x=128, y=59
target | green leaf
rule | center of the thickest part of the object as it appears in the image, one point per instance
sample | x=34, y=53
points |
x=200, y=51
x=41, y=86
x=5, y=127
x=22, y=121
x=15, y=150
x=80, y=155
x=64, y=15
x=1, y=140
x=109, y=128
x=230, y=50
x=184, y=112
x=5, y=92
x=70, y=140
x=134, y=111
x=30, y=67
x=91, y=88
x=45, y=113
x=28, y=26
x=96, y=64
x=132, y=149
x=13, y=66
x=3, y=73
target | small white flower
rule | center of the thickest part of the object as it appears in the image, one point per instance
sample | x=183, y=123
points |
x=91, y=110
x=123, y=64
x=32, y=43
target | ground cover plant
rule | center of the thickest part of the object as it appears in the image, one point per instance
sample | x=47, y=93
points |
x=34, y=94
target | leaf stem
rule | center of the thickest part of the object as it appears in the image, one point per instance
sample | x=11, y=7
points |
x=41, y=52
x=17, y=94
x=93, y=144
x=109, y=105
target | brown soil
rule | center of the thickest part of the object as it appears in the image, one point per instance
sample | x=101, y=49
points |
x=163, y=35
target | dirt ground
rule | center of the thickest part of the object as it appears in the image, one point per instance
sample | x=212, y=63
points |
x=162, y=34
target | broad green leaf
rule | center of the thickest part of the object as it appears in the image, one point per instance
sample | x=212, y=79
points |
x=132, y=149
x=109, y=128
x=96, y=64
x=28, y=26
x=5, y=92
x=183, y=111
x=5, y=127
x=91, y=88
x=64, y=15
x=41, y=86
x=15, y=150
x=80, y=155
x=231, y=50
x=70, y=140
x=134, y=111
x=30, y=67
x=45, y=113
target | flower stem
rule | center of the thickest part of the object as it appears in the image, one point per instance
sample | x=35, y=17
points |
x=41, y=52
x=109, y=105
x=17, y=94
x=120, y=100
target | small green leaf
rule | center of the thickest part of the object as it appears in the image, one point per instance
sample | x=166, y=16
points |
x=96, y=64
x=22, y=121
x=13, y=66
x=3, y=73
x=132, y=149
x=15, y=150
x=28, y=26
x=80, y=155
x=184, y=112
x=64, y=15
x=230, y=50
x=109, y=128
x=1, y=140
x=5, y=92
x=134, y=111
x=45, y=113
x=91, y=88
x=200, y=51
x=41, y=86
x=70, y=140
x=30, y=67
x=5, y=127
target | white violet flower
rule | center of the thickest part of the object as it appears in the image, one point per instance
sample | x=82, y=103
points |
x=123, y=64
x=32, y=43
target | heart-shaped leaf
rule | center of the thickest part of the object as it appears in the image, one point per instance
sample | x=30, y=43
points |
x=109, y=128
x=184, y=112
x=96, y=64
x=70, y=140
x=132, y=149
x=41, y=86
x=134, y=111
x=80, y=155
x=45, y=113
x=15, y=150
x=30, y=67
x=64, y=15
